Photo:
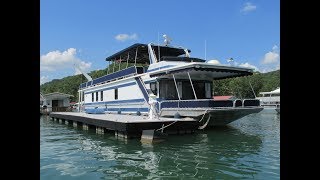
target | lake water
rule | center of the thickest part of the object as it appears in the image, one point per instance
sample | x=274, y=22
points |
x=248, y=148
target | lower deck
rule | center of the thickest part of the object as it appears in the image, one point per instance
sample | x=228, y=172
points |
x=128, y=125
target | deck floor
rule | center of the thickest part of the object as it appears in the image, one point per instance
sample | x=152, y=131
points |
x=130, y=125
x=121, y=118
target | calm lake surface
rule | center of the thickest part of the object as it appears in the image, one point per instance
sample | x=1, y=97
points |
x=248, y=148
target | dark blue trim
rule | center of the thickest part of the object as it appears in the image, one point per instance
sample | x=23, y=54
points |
x=150, y=81
x=196, y=104
x=161, y=67
x=113, y=87
x=113, y=76
x=115, y=102
x=142, y=88
x=128, y=109
x=95, y=111
x=251, y=102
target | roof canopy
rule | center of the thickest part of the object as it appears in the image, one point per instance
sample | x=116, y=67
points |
x=57, y=95
x=203, y=71
x=142, y=53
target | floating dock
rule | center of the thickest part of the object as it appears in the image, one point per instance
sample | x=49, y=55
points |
x=126, y=126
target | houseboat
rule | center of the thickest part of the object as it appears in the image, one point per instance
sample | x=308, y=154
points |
x=270, y=99
x=170, y=83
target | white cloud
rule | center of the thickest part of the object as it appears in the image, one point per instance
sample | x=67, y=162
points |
x=247, y=65
x=270, y=68
x=248, y=7
x=271, y=60
x=44, y=79
x=125, y=37
x=56, y=60
x=272, y=56
x=275, y=48
x=214, y=61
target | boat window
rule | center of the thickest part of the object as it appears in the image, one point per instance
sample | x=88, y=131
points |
x=153, y=87
x=200, y=88
x=97, y=96
x=168, y=90
x=92, y=97
x=208, y=90
x=116, y=93
x=101, y=95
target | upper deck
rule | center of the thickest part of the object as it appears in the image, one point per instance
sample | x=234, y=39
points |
x=162, y=61
x=139, y=53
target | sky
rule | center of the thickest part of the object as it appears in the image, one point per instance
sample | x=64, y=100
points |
x=85, y=32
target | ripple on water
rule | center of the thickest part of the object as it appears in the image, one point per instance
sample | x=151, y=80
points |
x=247, y=148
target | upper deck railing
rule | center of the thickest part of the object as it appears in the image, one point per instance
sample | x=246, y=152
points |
x=114, y=76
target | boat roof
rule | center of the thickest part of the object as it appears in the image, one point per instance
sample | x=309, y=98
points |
x=203, y=71
x=142, y=53
x=56, y=95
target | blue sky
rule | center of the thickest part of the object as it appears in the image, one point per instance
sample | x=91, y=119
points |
x=86, y=32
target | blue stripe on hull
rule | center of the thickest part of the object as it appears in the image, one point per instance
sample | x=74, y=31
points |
x=102, y=110
x=115, y=102
x=95, y=111
x=128, y=109
x=113, y=87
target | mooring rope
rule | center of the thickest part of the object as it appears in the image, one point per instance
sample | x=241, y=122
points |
x=203, y=115
x=163, y=127
x=205, y=124
x=200, y=127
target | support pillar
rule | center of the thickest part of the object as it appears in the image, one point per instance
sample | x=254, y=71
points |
x=85, y=127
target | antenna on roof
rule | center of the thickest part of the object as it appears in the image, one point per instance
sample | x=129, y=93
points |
x=231, y=61
x=205, y=49
x=167, y=40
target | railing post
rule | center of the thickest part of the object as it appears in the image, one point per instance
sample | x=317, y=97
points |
x=194, y=92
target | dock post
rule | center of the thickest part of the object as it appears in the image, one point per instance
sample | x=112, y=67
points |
x=66, y=122
x=85, y=126
x=147, y=136
x=120, y=134
x=60, y=121
x=99, y=130
x=75, y=124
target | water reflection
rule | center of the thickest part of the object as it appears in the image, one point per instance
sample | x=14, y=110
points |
x=220, y=153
